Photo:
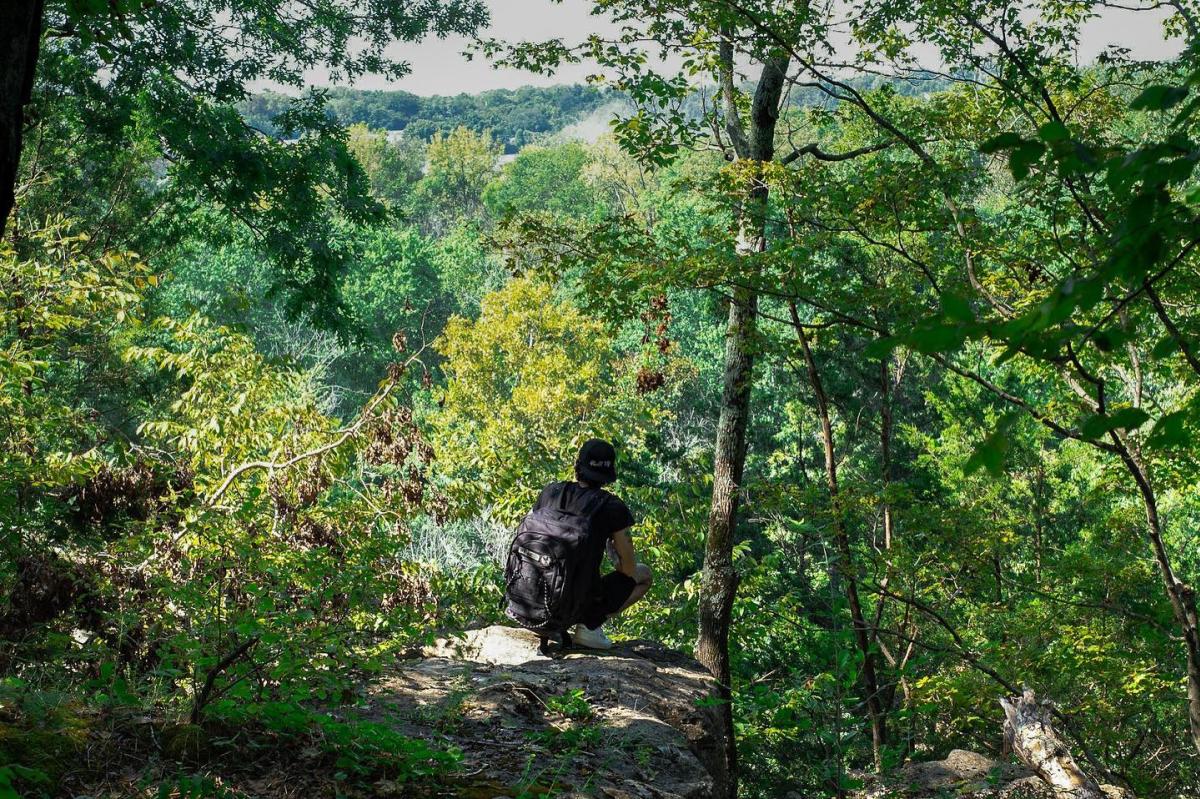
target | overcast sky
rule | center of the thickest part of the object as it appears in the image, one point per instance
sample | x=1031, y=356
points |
x=440, y=68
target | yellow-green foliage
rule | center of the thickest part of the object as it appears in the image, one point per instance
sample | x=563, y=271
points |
x=58, y=303
x=290, y=545
x=458, y=167
x=234, y=405
x=527, y=382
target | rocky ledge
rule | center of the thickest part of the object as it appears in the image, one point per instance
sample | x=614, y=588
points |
x=968, y=775
x=633, y=722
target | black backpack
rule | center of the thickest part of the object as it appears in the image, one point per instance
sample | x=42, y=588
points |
x=553, y=563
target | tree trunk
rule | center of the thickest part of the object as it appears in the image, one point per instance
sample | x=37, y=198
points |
x=719, y=581
x=20, y=40
x=885, y=446
x=1029, y=734
x=886, y=424
x=1181, y=595
x=862, y=633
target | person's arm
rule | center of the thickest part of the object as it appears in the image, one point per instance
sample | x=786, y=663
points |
x=626, y=557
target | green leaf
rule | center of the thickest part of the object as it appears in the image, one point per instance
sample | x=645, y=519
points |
x=1097, y=426
x=957, y=308
x=1102, y=341
x=991, y=451
x=1129, y=418
x=939, y=338
x=1165, y=347
x=1053, y=132
x=1158, y=97
x=989, y=454
x=1107, y=340
x=1004, y=141
x=1094, y=427
x=881, y=347
x=1088, y=292
x=1169, y=430
x=1023, y=157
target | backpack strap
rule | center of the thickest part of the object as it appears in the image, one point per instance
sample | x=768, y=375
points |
x=562, y=495
x=593, y=503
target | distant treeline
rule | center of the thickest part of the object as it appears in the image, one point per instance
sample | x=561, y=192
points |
x=515, y=116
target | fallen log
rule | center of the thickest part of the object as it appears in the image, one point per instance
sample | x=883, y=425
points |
x=1031, y=737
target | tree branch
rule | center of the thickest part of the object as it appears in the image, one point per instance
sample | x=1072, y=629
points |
x=345, y=434
x=206, y=691
x=816, y=152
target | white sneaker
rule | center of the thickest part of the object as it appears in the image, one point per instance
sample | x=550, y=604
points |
x=591, y=639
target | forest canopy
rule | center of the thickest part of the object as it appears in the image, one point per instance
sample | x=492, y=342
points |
x=894, y=321
x=514, y=116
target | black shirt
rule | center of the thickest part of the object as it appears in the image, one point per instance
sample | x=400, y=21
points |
x=611, y=517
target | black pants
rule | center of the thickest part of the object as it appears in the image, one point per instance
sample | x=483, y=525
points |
x=608, y=595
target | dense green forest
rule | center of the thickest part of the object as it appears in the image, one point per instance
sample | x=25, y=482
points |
x=516, y=117
x=522, y=116
x=901, y=362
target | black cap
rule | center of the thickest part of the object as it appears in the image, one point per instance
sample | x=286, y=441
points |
x=597, y=462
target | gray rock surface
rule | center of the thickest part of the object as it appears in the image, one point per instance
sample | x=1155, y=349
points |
x=965, y=775
x=626, y=723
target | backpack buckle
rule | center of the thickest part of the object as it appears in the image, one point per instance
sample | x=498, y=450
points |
x=536, y=557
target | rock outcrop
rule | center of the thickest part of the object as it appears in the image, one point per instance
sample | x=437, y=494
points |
x=1048, y=770
x=633, y=722
x=967, y=775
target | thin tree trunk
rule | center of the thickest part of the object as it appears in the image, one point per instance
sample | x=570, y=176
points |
x=20, y=40
x=719, y=580
x=998, y=573
x=1182, y=596
x=885, y=447
x=886, y=424
x=1038, y=520
x=862, y=635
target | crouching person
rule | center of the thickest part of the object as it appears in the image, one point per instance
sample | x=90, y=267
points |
x=553, y=580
